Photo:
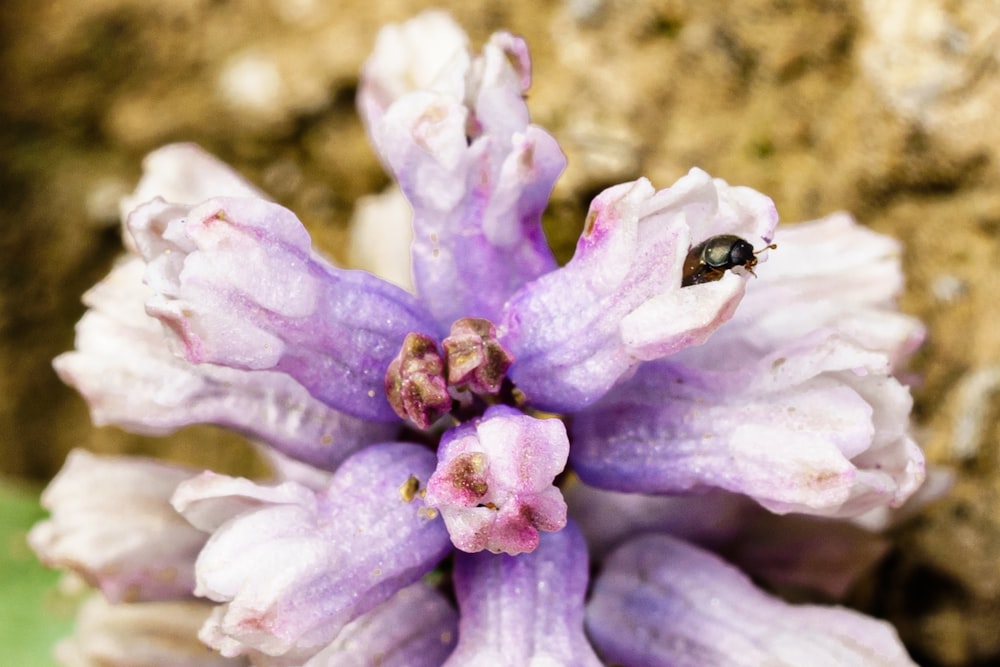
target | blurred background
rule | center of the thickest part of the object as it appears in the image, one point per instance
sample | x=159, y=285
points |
x=882, y=108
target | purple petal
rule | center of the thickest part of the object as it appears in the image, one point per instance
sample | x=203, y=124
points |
x=574, y=332
x=659, y=601
x=607, y=518
x=828, y=273
x=807, y=553
x=210, y=500
x=408, y=56
x=494, y=481
x=416, y=627
x=820, y=429
x=938, y=482
x=183, y=174
x=125, y=370
x=147, y=634
x=237, y=281
x=112, y=523
x=477, y=176
x=380, y=233
x=286, y=469
x=524, y=610
x=293, y=567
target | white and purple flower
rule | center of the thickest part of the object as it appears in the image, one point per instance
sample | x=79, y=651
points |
x=429, y=444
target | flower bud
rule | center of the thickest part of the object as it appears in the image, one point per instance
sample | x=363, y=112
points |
x=475, y=358
x=415, y=384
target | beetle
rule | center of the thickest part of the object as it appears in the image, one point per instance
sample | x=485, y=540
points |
x=709, y=260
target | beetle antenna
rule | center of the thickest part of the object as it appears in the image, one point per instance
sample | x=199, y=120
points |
x=749, y=265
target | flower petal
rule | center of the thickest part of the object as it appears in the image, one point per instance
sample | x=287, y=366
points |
x=125, y=370
x=494, y=481
x=237, y=281
x=524, y=610
x=574, y=332
x=209, y=500
x=819, y=428
x=186, y=174
x=938, y=483
x=416, y=627
x=809, y=553
x=659, y=601
x=112, y=523
x=355, y=544
x=607, y=518
x=381, y=233
x=286, y=469
x=408, y=56
x=828, y=273
x=147, y=634
x=478, y=177
x=183, y=174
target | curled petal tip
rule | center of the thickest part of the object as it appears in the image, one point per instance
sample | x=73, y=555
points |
x=577, y=330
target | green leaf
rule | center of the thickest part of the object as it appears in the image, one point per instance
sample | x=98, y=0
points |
x=33, y=615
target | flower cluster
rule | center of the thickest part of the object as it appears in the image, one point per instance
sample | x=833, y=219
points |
x=458, y=461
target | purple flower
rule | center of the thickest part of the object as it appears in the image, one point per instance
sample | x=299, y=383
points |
x=493, y=484
x=355, y=543
x=428, y=443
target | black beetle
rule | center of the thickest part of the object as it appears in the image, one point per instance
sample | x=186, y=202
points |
x=710, y=259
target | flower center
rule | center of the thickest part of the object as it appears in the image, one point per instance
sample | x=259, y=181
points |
x=422, y=384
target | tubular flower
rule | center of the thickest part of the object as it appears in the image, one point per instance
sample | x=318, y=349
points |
x=429, y=443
